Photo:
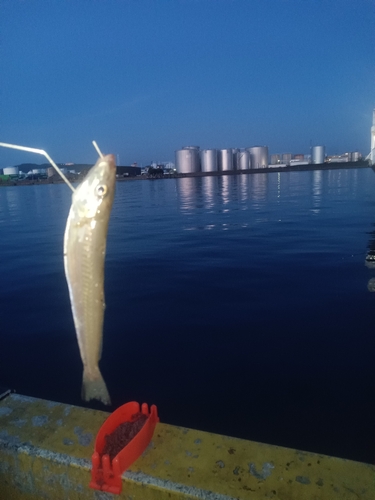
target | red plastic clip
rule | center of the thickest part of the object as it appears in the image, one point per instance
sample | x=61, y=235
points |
x=106, y=475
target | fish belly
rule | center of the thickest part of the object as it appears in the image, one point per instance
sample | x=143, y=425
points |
x=84, y=253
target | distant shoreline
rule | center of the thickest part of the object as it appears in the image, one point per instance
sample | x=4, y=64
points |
x=268, y=170
x=274, y=168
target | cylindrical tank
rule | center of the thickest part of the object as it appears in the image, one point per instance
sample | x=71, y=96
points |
x=317, y=154
x=243, y=160
x=234, y=153
x=11, y=170
x=356, y=156
x=209, y=160
x=225, y=159
x=258, y=156
x=187, y=160
x=285, y=158
x=275, y=159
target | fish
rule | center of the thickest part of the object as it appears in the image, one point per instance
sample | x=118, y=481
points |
x=85, y=242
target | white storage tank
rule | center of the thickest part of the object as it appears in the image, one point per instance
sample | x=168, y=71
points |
x=317, y=154
x=258, y=156
x=286, y=158
x=225, y=159
x=356, y=156
x=187, y=160
x=243, y=160
x=234, y=153
x=13, y=171
x=275, y=159
x=209, y=160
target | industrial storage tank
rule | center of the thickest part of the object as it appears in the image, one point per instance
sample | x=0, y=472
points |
x=258, y=156
x=317, y=154
x=12, y=171
x=275, y=159
x=234, y=153
x=243, y=160
x=225, y=159
x=187, y=160
x=209, y=160
x=286, y=158
x=355, y=156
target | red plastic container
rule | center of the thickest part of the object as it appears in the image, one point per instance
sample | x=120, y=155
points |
x=106, y=475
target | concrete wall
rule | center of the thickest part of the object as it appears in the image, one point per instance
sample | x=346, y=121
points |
x=46, y=449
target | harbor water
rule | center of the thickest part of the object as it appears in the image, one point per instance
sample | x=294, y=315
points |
x=239, y=304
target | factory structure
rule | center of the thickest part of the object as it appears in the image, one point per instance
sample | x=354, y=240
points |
x=190, y=159
x=193, y=160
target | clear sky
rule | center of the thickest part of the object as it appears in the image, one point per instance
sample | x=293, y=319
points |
x=146, y=77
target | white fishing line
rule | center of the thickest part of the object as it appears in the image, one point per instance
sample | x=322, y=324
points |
x=39, y=152
x=97, y=149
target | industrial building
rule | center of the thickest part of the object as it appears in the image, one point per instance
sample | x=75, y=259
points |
x=11, y=171
x=128, y=171
x=258, y=156
x=190, y=159
x=209, y=160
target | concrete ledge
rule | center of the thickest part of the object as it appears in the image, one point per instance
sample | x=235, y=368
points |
x=46, y=448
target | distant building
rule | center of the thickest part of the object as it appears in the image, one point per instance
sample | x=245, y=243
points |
x=345, y=157
x=298, y=157
x=275, y=159
x=130, y=171
x=286, y=157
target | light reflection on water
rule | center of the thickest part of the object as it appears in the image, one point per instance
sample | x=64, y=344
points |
x=246, y=288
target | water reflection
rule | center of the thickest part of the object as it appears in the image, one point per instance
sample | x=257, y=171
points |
x=211, y=191
x=243, y=187
x=258, y=187
x=209, y=186
x=317, y=190
x=10, y=203
x=188, y=193
x=224, y=187
x=264, y=195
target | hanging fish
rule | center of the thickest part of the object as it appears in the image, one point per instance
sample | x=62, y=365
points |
x=84, y=254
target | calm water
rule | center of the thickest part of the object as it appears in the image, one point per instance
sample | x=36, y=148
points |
x=238, y=305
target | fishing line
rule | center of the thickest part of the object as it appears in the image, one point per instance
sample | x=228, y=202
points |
x=40, y=152
x=97, y=149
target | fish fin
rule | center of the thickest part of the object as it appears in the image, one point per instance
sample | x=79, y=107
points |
x=93, y=387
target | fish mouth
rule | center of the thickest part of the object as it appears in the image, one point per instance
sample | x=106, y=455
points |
x=110, y=159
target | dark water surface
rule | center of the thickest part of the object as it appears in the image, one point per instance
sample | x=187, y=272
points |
x=238, y=305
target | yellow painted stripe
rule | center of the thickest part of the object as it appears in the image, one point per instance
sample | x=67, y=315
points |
x=46, y=448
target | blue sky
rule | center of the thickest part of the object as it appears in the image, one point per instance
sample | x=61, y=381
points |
x=146, y=77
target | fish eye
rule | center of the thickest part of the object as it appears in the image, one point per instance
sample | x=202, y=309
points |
x=101, y=190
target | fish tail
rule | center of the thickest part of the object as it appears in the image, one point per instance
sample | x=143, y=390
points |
x=93, y=387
